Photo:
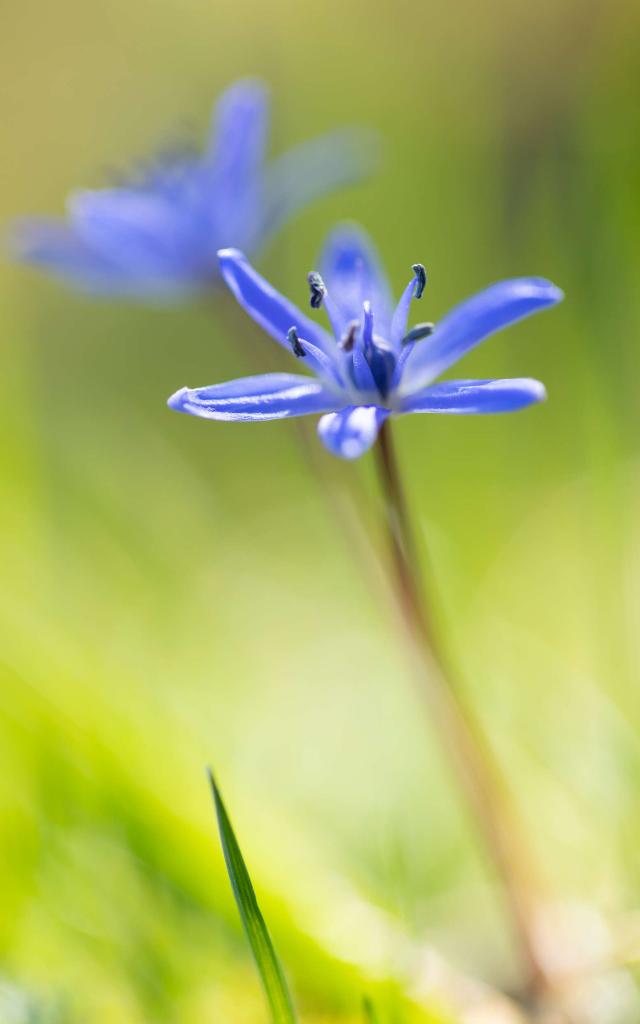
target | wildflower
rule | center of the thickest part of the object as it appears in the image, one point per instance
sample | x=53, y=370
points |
x=155, y=235
x=372, y=365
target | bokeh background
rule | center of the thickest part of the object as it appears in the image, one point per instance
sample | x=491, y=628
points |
x=176, y=593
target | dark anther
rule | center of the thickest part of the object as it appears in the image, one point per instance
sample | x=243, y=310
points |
x=349, y=339
x=417, y=333
x=296, y=345
x=318, y=290
x=421, y=279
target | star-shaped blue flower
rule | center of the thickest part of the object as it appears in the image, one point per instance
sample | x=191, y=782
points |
x=155, y=237
x=372, y=365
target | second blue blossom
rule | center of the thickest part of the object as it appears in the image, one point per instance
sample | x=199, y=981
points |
x=155, y=236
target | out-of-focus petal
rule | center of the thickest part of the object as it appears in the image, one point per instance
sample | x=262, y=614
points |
x=351, y=432
x=353, y=275
x=155, y=235
x=313, y=168
x=54, y=246
x=236, y=158
x=143, y=234
x=239, y=131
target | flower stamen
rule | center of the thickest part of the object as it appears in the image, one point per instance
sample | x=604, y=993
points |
x=417, y=333
x=318, y=289
x=296, y=345
x=349, y=340
x=421, y=279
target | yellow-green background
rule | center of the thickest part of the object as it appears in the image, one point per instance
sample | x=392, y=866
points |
x=175, y=592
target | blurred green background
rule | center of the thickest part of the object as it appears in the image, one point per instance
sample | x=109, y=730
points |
x=175, y=592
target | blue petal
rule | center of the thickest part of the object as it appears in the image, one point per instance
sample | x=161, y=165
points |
x=476, y=396
x=239, y=130
x=351, y=432
x=362, y=373
x=353, y=275
x=309, y=170
x=143, y=234
x=236, y=158
x=51, y=243
x=54, y=246
x=471, y=322
x=378, y=355
x=275, y=314
x=269, y=396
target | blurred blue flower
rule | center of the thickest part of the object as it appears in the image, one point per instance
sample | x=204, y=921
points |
x=156, y=235
x=372, y=365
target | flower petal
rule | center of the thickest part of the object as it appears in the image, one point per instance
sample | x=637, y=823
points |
x=239, y=132
x=313, y=168
x=361, y=371
x=142, y=233
x=235, y=160
x=351, y=432
x=476, y=396
x=275, y=314
x=353, y=275
x=50, y=243
x=54, y=246
x=268, y=396
x=471, y=322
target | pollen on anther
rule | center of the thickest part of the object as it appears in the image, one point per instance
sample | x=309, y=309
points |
x=349, y=340
x=318, y=289
x=418, y=332
x=296, y=345
x=421, y=279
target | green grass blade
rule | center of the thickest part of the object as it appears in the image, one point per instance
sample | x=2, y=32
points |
x=264, y=954
x=368, y=1010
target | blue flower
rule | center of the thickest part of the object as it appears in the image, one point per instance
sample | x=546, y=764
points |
x=372, y=365
x=156, y=235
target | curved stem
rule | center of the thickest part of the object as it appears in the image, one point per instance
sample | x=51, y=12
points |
x=477, y=772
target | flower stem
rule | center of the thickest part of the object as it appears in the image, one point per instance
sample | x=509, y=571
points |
x=477, y=772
